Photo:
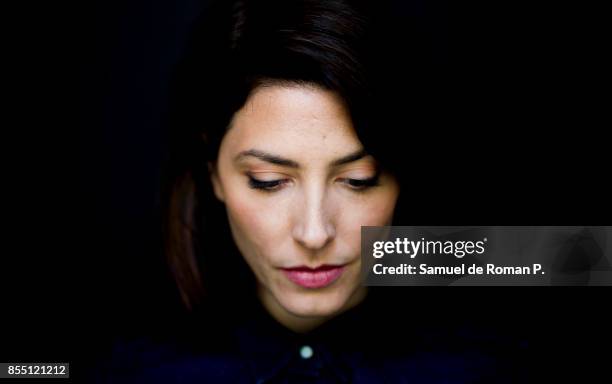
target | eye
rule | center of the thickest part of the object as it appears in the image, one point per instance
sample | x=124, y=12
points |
x=266, y=185
x=361, y=184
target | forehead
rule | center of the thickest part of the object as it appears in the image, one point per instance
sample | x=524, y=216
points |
x=293, y=120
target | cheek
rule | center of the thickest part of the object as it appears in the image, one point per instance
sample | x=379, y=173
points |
x=257, y=224
x=375, y=209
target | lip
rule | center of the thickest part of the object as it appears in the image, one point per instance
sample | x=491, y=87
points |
x=312, y=278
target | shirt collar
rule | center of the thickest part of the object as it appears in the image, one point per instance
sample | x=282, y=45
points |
x=270, y=348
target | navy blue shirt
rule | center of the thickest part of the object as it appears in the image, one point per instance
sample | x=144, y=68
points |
x=368, y=344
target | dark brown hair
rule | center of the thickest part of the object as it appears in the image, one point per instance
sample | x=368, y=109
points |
x=348, y=47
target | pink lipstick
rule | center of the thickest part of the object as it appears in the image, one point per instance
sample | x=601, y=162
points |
x=314, y=277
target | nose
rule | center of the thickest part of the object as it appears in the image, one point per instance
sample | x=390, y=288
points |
x=314, y=227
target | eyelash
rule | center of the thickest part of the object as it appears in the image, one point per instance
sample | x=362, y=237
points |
x=362, y=184
x=268, y=186
x=357, y=185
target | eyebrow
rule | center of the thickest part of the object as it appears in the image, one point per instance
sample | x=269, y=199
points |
x=278, y=160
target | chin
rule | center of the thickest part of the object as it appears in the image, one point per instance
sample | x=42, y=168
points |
x=315, y=304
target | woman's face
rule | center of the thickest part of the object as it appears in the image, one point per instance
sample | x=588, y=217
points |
x=298, y=187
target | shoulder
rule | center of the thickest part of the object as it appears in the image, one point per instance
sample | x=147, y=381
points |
x=149, y=360
x=413, y=346
x=461, y=354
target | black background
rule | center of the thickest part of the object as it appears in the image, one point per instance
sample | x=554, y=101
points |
x=521, y=141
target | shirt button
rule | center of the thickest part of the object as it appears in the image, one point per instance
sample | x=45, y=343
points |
x=306, y=352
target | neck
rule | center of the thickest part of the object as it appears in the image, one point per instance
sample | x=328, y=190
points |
x=303, y=324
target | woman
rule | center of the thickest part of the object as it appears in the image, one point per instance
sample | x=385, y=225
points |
x=283, y=144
